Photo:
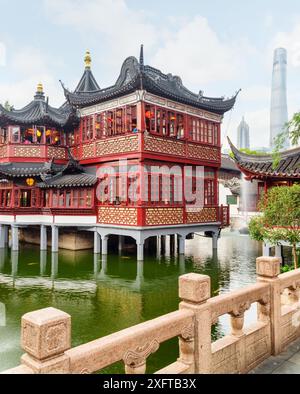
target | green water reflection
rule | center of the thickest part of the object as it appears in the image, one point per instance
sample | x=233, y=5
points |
x=105, y=296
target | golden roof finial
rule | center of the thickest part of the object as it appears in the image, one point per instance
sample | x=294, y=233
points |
x=88, y=59
x=40, y=88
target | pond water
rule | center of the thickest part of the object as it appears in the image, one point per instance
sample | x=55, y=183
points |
x=106, y=296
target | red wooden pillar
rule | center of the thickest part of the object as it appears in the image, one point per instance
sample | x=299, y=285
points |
x=217, y=187
x=141, y=121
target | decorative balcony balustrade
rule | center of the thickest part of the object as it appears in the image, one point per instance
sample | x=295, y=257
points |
x=46, y=334
x=162, y=216
x=99, y=150
x=35, y=152
x=147, y=144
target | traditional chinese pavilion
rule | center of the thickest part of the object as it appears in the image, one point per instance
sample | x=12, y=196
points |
x=51, y=158
x=260, y=169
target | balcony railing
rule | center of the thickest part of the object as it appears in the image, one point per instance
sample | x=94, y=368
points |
x=162, y=216
x=147, y=144
x=36, y=152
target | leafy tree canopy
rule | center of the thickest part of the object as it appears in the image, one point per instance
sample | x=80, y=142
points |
x=291, y=132
x=248, y=152
x=280, y=219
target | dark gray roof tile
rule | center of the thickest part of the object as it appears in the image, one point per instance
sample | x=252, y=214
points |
x=262, y=165
x=135, y=76
x=39, y=112
x=70, y=180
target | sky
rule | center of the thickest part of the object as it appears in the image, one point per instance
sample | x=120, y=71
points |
x=216, y=46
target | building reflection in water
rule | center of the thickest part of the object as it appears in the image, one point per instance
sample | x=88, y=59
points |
x=43, y=262
x=3, y=255
x=14, y=264
x=54, y=265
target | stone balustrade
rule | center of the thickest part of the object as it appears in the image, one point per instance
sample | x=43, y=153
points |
x=46, y=334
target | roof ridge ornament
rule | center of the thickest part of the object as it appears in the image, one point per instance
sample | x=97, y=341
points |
x=88, y=60
x=142, y=56
x=39, y=95
x=200, y=95
x=40, y=88
x=142, y=67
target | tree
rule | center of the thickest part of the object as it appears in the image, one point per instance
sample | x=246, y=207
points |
x=293, y=129
x=291, y=132
x=280, y=219
x=248, y=152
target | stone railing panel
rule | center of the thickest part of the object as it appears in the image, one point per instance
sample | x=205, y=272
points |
x=238, y=302
x=245, y=347
x=290, y=306
x=133, y=345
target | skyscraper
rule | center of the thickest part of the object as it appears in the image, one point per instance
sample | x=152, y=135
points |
x=279, y=112
x=243, y=137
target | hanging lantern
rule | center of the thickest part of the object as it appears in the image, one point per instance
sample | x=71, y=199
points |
x=30, y=182
x=149, y=115
x=173, y=118
x=48, y=133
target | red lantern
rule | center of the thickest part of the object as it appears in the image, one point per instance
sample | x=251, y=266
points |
x=149, y=115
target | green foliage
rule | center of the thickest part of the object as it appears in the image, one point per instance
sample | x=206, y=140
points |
x=286, y=268
x=248, y=152
x=280, y=219
x=256, y=228
x=281, y=206
x=291, y=132
x=251, y=152
x=293, y=128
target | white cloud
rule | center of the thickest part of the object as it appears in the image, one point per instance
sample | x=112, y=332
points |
x=2, y=54
x=32, y=67
x=188, y=47
x=269, y=20
x=196, y=52
x=256, y=93
x=121, y=29
x=291, y=41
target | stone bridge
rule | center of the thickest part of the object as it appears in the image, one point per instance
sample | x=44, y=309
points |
x=46, y=334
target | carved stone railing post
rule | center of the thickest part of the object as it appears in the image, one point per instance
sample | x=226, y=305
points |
x=195, y=341
x=268, y=270
x=45, y=336
x=136, y=360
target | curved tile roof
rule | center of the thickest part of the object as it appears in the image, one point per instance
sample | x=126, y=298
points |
x=135, y=75
x=20, y=170
x=69, y=180
x=88, y=82
x=51, y=174
x=39, y=112
x=70, y=175
x=229, y=164
x=262, y=166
